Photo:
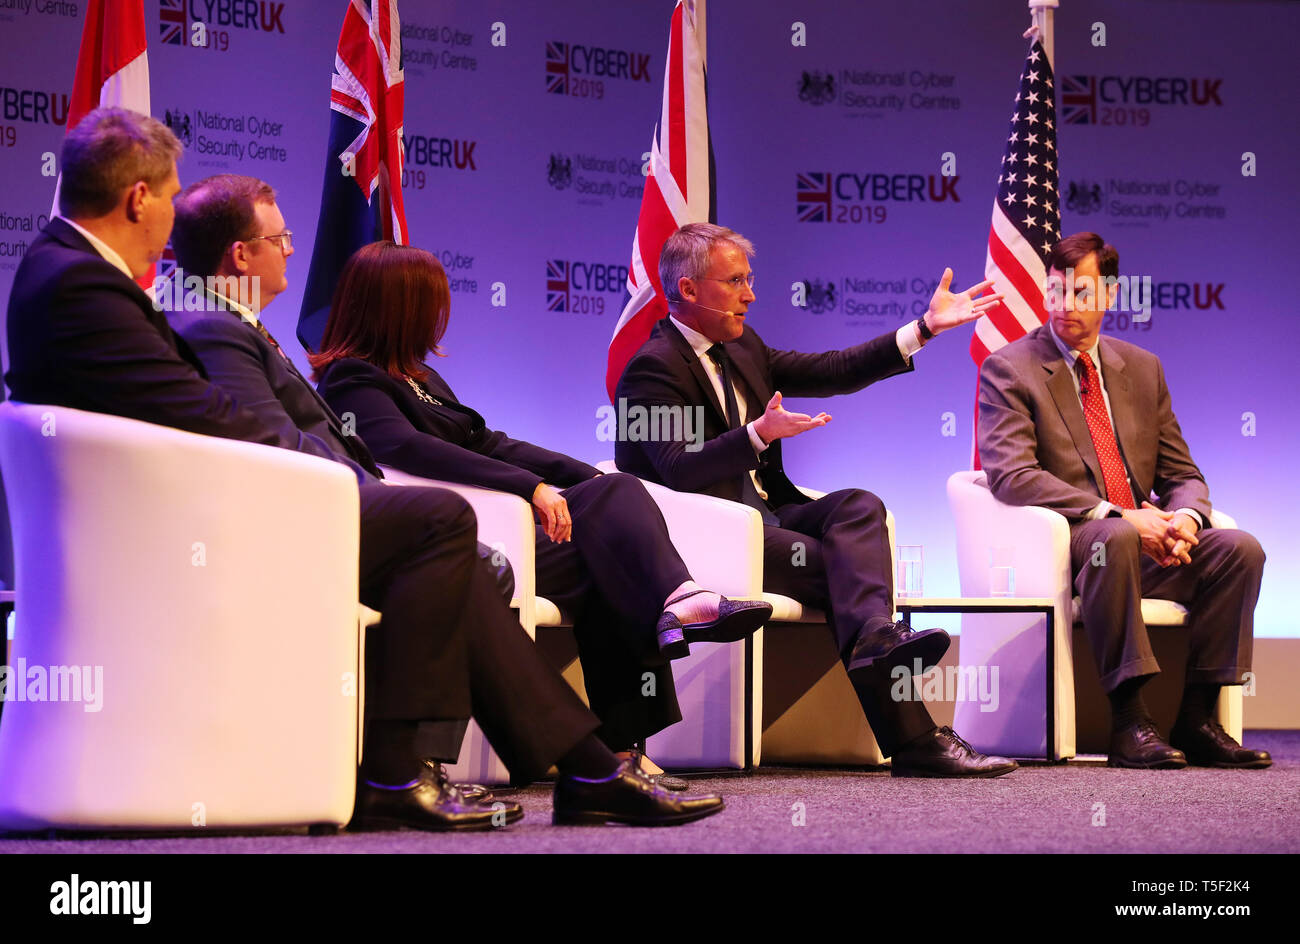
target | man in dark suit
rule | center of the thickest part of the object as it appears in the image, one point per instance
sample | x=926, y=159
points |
x=1083, y=424
x=705, y=356
x=82, y=334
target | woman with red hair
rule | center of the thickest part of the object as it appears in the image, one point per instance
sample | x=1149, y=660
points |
x=603, y=551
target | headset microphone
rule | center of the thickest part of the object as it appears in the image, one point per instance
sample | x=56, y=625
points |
x=718, y=310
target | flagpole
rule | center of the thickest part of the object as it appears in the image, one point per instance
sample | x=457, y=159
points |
x=1044, y=17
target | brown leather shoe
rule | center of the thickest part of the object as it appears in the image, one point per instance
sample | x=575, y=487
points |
x=1208, y=745
x=1140, y=747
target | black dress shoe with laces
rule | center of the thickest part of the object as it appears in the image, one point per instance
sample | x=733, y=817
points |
x=1140, y=747
x=429, y=802
x=665, y=780
x=626, y=796
x=942, y=753
x=893, y=644
x=736, y=619
x=1208, y=745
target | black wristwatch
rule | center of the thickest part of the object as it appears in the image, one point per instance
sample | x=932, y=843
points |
x=926, y=333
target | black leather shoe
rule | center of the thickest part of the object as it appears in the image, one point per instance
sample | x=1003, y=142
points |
x=1140, y=746
x=429, y=802
x=475, y=792
x=626, y=796
x=665, y=780
x=736, y=619
x=899, y=644
x=941, y=753
x=1208, y=745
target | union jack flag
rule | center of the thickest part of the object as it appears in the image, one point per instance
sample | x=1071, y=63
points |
x=557, y=68
x=361, y=200
x=557, y=285
x=813, y=198
x=172, y=25
x=1026, y=215
x=1079, y=99
x=679, y=188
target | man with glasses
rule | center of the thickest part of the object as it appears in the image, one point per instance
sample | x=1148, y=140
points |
x=831, y=553
x=83, y=334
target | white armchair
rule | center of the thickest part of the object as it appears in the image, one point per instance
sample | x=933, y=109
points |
x=815, y=717
x=1037, y=542
x=206, y=589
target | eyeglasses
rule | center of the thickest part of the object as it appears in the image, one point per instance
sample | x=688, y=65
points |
x=283, y=240
x=736, y=281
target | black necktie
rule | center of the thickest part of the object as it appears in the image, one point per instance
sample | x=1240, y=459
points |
x=748, y=493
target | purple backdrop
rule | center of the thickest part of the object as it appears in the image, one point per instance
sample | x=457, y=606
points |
x=509, y=172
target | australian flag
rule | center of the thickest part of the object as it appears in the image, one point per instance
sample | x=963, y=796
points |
x=361, y=200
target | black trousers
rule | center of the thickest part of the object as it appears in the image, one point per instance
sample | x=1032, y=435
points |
x=1219, y=588
x=449, y=646
x=833, y=554
x=612, y=579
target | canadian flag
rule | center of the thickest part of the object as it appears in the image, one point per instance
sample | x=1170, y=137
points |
x=112, y=68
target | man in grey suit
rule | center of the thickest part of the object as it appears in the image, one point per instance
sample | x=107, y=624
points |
x=1083, y=424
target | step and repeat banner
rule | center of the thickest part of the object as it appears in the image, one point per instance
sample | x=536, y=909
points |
x=858, y=145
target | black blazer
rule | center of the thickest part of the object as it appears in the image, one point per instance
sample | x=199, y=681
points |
x=84, y=335
x=667, y=372
x=447, y=441
x=247, y=366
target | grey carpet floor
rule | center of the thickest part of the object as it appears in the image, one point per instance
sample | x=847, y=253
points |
x=1076, y=808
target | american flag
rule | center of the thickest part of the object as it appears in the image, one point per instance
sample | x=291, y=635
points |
x=171, y=22
x=812, y=199
x=1026, y=216
x=557, y=285
x=361, y=200
x=679, y=189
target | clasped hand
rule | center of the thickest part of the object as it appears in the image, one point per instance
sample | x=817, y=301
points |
x=1167, y=536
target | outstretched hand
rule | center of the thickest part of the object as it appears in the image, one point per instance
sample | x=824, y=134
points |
x=779, y=423
x=949, y=309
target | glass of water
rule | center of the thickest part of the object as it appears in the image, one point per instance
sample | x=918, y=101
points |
x=911, y=563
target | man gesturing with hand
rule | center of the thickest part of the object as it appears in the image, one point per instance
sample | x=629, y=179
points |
x=704, y=358
x=1083, y=424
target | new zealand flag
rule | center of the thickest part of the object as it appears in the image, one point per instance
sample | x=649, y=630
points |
x=361, y=200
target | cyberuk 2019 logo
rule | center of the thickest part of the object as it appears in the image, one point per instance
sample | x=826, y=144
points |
x=824, y=197
x=1118, y=100
x=582, y=287
x=581, y=71
x=208, y=23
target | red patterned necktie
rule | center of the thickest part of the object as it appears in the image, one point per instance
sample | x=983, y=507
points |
x=1118, y=492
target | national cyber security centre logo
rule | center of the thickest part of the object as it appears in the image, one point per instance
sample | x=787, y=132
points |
x=865, y=91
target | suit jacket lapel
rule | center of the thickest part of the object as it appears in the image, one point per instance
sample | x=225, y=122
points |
x=1061, y=386
x=754, y=383
x=696, y=368
x=1121, y=407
